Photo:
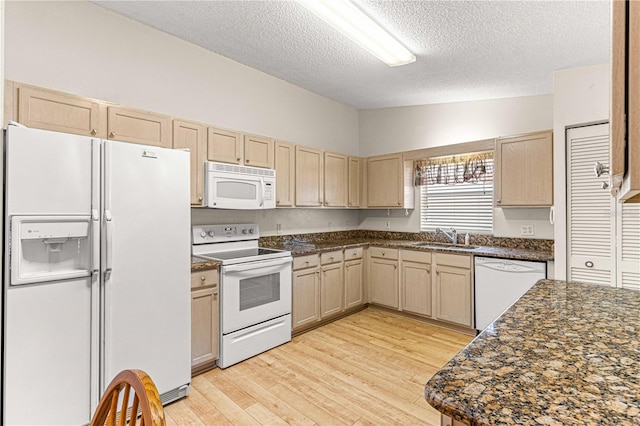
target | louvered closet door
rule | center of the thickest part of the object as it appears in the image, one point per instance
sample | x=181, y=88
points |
x=590, y=209
x=629, y=246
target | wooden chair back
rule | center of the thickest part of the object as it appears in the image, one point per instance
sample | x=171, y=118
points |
x=145, y=398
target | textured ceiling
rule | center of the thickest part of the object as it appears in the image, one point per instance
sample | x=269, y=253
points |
x=466, y=50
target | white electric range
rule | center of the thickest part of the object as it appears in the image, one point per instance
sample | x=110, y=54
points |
x=255, y=289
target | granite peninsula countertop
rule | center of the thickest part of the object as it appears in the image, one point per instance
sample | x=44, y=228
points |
x=302, y=248
x=564, y=354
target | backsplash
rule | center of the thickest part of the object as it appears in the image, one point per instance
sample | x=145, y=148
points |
x=474, y=239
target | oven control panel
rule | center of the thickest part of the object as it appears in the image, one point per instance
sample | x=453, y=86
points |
x=207, y=234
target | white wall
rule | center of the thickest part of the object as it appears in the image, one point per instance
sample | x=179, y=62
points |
x=408, y=128
x=581, y=96
x=292, y=221
x=80, y=48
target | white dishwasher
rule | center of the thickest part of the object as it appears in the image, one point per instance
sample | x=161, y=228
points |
x=499, y=283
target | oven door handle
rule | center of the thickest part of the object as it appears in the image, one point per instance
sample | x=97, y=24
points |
x=256, y=265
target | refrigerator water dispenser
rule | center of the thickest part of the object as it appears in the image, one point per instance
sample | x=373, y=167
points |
x=49, y=248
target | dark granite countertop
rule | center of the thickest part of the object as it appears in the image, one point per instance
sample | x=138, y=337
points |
x=564, y=354
x=309, y=247
x=202, y=264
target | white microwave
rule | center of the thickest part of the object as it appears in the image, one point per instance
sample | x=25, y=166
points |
x=231, y=186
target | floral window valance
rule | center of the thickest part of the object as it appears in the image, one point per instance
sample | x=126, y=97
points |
x=471, y=167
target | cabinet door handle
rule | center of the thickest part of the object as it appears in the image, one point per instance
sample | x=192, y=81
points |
x=383, y=253
x=498, y=201
x=428, y=270
x=437, y=272
x=238, y=158
x=112, y=134
x=94, y=132
x=215, y=293
x=246, y=161
x=399, y=203
x=202, y=278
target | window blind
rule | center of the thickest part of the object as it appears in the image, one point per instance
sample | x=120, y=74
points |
x=466, y=206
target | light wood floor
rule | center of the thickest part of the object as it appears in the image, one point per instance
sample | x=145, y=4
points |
x=366, y=369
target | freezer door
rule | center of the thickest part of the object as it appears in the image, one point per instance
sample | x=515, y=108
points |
x=146, y=258
x=48, y=353
x=48, y=173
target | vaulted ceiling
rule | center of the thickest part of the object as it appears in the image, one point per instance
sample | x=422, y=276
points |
x=466, y=50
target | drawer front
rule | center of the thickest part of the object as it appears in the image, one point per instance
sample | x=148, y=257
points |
x=416, y=256
x=460, y=261
x=204, y=278
x=331, y=257
x=353, y=253
x=384, y=253
x=303, y=262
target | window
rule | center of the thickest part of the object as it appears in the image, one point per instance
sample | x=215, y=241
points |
x=458, y=202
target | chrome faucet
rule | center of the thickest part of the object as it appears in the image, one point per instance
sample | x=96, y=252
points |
x=453, y=236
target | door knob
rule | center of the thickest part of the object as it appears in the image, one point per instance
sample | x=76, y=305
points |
x=600, y=169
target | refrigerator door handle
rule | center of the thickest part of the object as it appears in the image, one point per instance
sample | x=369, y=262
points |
x=108, y=241
x=95, y=246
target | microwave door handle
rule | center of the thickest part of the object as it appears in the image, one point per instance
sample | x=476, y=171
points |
x=262, y=192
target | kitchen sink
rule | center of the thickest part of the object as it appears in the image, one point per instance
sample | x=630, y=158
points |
x=446, y=246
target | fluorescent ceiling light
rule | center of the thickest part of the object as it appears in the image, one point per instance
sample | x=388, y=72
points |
x=345, y=17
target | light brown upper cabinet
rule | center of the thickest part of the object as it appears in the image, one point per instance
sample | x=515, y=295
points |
x=389, y=182
x=223, y=145
x=60, y=112
x=309, y=177
x=258, y=151
x=335, y=179
x=138, y=126
x=625, y=100
x=192, y=136
x=524, y=170
x=355, y=182
x=284, y=158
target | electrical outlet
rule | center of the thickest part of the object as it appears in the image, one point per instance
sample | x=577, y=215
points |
x=527, y=231
x=387, y=224
x=279, y=228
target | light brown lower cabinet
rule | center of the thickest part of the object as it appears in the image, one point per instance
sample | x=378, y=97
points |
x=305, y=292
x=331, y=284
x=453, y=289
x=416, y=282
x=205, y=310
x=353, y=283
x=383, y=276
x=448, y=421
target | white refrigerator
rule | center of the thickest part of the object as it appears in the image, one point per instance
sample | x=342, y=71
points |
x=96, y=275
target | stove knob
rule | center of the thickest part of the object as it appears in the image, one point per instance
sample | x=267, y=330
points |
x=244, y=231
x=211, y=233
x=203, y=234
x=251, y=231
